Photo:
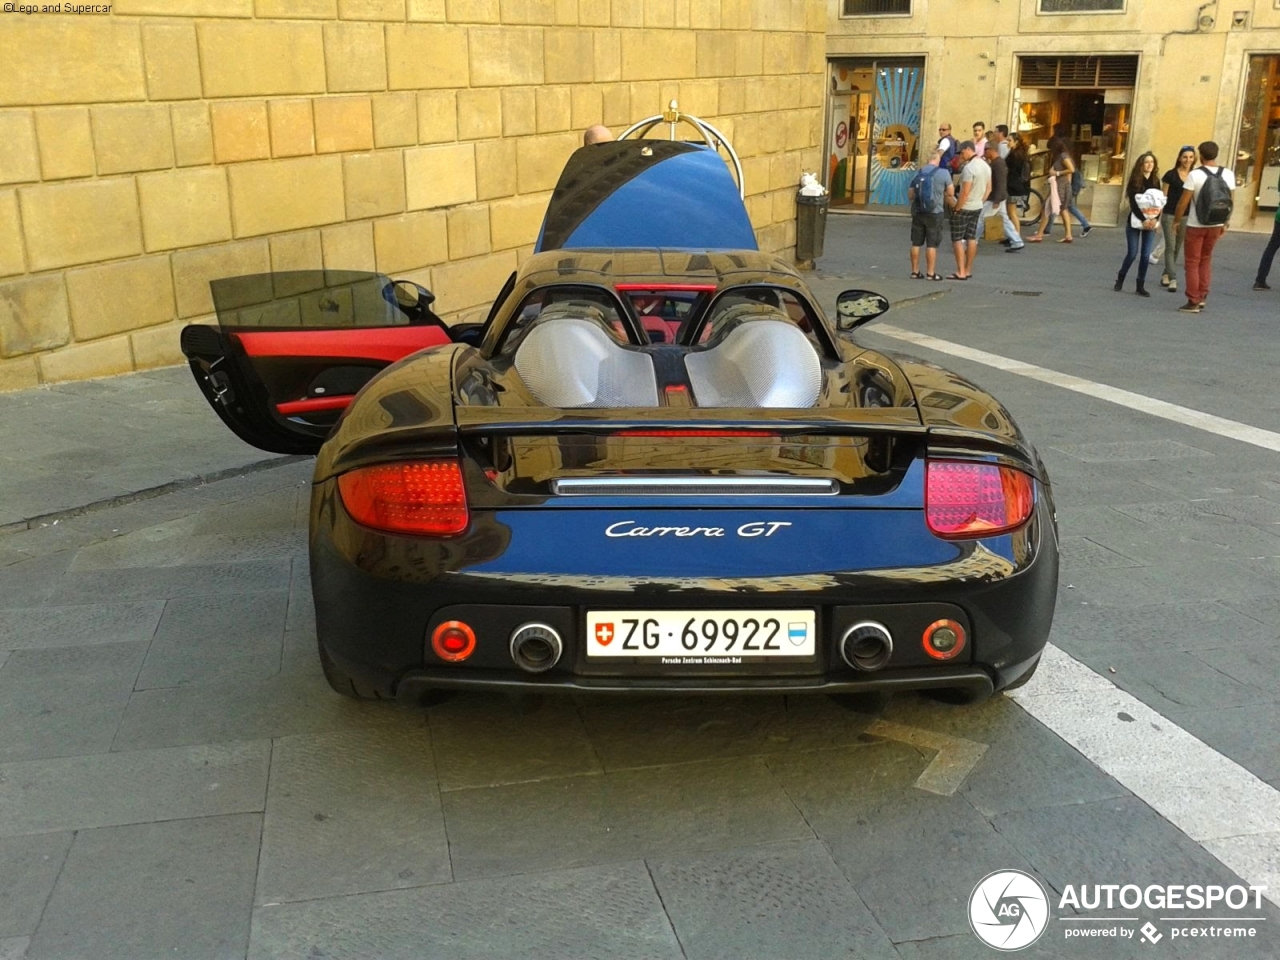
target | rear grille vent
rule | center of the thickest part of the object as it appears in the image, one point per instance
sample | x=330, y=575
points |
x=694, y=487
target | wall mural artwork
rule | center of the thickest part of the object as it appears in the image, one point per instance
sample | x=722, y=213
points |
x=899, y=97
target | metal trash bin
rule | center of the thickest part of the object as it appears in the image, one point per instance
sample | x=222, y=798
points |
x=811, y=225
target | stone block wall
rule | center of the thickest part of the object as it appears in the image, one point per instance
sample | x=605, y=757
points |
x=147, y=150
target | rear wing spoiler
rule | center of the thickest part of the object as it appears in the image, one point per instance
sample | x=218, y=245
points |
x=487, y=423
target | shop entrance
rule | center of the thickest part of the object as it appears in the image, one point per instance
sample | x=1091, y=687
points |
x=873, y=133
x=1258, y=150
x=1087, y=101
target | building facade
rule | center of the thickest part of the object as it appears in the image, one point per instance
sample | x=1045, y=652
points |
x=149, y=146
x=1118, y=77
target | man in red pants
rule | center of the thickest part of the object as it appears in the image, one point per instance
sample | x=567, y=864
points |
x=1207, y=196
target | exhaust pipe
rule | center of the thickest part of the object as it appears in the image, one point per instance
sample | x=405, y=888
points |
x=867, y=645
x=536, y=647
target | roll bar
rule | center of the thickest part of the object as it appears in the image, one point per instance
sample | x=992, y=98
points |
x=712, y=137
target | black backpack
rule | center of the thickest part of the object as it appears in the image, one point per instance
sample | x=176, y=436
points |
x=1213, y=200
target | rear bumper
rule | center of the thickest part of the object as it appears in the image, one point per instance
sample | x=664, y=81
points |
x=378, y=599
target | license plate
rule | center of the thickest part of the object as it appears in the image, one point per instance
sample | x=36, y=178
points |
x=701, y=636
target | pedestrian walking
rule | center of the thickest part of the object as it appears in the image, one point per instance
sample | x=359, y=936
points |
x=1269, y=254
x=1175, y=233
x=980, y=138
x=1019, y=185
x=1146, y=200
x=966, y=212
x=929, y=191
x=1206, y=203
x=1059, y=200
x=998, y=199
x=1001, y=137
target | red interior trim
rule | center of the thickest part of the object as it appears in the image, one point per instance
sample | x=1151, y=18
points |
x=339, y=401
x=665, y=287
x=363, y=343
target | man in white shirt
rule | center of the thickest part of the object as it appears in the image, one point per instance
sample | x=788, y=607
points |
x=980, y=138
x=1200, y=197
x=1001, y=137
x=966, y=210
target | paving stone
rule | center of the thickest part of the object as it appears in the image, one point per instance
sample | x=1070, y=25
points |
x=1223, y=510
x=266, y=512
x=146, y=583
x=212, y=639
x=831, y=786
x=1264, y=610
x=32, y=628
x=1203, y=539
x=1172, y=681
x=482, y=741
x=1202, y=480
x=1053, y=945
x=637, y=813
x=1247, y=734
x=286, y=704
x=28, y=868
x=1255, y=663
x=1088, y=491
x=1088, y=520
x=609, y=910
x=14, y=948
x=925, y=895
x=178, y=543
x=176, y=889
x=69, y=793
x=651, y=731
x=1198, y=625
x=66, y=701
x=255, y=482
x=1172, y=582
x=30, y=582
x=1130, y=450
x=1081, y=553
x=353, y=811
x=780, y=900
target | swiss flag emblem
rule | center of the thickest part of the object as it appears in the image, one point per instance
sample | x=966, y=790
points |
x=604, y=634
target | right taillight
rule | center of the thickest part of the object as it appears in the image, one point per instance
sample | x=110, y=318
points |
x=964, y=499
x=418, y=498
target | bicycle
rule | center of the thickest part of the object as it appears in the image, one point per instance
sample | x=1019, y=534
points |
x=1030, y=207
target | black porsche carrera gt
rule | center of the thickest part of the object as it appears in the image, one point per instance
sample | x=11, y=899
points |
x=656, y=466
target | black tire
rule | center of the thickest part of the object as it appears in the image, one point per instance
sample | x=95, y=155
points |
x=1023, y=680
x=342, y=682
x=1033, y=210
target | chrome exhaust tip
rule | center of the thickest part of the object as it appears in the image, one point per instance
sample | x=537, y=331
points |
x=536, y=647
x=866, y=646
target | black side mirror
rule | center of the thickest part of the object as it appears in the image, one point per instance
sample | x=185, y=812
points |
x=856, y=307
x=414, y=299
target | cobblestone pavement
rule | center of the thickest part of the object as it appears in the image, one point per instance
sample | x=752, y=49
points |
x=177, y=781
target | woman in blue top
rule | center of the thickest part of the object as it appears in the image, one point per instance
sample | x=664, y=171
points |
x=1140, y=227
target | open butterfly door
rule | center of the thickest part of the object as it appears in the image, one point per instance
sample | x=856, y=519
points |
x=291, y=349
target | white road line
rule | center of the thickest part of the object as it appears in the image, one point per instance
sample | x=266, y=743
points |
x=1221, y=426
x=1212, y=799
x=1209, y=797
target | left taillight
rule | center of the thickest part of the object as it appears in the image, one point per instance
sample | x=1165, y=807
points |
x=968, y=499
x=417, y=498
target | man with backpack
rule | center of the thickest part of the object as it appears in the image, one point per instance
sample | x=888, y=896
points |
x=928, y=193
x=1206, y=195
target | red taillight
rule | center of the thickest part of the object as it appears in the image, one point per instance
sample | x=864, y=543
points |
x=453, y=641
x=966, y=499
x=424, y=498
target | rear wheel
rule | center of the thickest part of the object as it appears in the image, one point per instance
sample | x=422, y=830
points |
x=1034, y=208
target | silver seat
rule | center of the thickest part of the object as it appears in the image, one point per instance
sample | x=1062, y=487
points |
x=760, y=362
x=569, y=360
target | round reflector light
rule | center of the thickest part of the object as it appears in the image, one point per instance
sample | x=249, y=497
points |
x=944, y=639
x=453, y=641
